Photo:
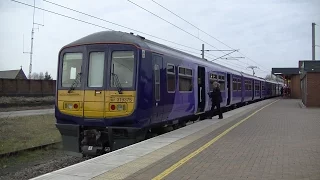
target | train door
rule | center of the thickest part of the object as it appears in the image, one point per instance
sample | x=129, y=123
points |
x=157, y=109
x=260, y=89
x=201, y=89
x=94, y=94
x=253, y=89
x=229, y=89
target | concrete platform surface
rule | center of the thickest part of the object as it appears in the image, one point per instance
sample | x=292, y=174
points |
x=131, y=161
x=282, y=141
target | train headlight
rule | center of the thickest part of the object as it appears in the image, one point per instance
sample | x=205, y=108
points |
x=68, y=106
x=119, y=107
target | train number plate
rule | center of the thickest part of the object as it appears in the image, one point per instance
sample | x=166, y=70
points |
x=121, y=99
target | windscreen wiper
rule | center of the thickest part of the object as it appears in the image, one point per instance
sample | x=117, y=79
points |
x=117, y=82
x=75, y=82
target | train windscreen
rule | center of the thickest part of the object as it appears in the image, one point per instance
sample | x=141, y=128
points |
x=71, y=69
x=122, y=69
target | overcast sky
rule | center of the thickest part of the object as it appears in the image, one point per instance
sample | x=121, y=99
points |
x=272, y=33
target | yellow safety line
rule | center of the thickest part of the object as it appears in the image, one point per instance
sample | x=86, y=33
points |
x=187, y=158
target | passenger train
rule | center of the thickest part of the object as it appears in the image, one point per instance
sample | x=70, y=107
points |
x=113, y=88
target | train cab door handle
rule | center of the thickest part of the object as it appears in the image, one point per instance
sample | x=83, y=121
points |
x=200, y=94
x=156, y=104
x=98, y=92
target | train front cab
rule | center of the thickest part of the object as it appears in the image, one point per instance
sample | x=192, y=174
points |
x=96, y=95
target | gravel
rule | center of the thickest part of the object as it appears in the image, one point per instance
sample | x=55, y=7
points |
x=40, y=169
x=36, y=163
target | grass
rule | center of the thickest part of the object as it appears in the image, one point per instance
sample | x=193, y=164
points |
x=19, y=133
x=27, y=157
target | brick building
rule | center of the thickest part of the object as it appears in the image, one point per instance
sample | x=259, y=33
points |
x=292, y=79
x=310, y=83
x=13, y=74
x=303, y=81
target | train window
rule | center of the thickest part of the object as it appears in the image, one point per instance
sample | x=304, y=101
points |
x=171, y=78
x=249, y=85
x=213, y=77
x=182, y=70
x=234, y=85
x=96, y=67
x=71, y=69
x=189, y=72
x=222, y=85
x=122, y=68
x=221, y=82
x=185, y=79
x=211, y=80
x=170, y=68
x=157, y=82
x=239, y=84
x=185, y=83
x=257, y=87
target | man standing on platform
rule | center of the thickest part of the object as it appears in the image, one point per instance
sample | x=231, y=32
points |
x=216, y=98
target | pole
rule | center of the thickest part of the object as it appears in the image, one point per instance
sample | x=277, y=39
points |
x=202, y=51
x=252, y=67
x=32, y=34
x=313, y=42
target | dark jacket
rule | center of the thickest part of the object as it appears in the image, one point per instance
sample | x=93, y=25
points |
x=215, y=96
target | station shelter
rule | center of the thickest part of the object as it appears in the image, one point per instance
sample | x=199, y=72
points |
x=303, y=81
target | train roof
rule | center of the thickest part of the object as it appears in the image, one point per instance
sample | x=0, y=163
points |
x=130, y=38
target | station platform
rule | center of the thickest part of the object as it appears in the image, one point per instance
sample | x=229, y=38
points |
x=270, y=139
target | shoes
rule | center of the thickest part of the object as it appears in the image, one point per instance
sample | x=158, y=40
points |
x=220, y=118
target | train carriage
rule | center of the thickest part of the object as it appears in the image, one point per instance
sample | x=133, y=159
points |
x=115, y=88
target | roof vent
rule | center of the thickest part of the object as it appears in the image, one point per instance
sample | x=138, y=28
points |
x=141, y=37
x=131, y=33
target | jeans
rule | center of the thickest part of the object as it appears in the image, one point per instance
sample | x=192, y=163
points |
x=218, y=109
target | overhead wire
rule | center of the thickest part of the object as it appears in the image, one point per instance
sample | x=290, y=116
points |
x=52, y=12
x=201, y=30
x=86, y=22
x=118, y=24
x=225, y=54
x=215, y=57
x=171, y=23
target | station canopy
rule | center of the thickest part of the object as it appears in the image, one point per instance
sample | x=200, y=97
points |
x=286, y=73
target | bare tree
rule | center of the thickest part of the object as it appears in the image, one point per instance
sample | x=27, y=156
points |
x=47, y=76
x=269, y=77
x=41, y=76
x=35, y=75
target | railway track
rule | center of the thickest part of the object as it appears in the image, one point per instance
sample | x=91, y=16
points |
x=13, y=153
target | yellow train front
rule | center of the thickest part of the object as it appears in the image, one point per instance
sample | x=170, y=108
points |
x=97, y=94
